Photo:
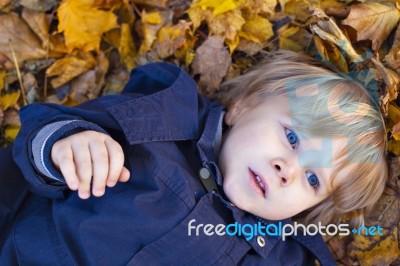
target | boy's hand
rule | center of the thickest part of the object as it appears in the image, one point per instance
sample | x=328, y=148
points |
x=90, y=157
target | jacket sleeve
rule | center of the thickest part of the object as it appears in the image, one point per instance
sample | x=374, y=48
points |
x=144, y=80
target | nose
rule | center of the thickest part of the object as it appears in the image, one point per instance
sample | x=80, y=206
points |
x=285, y=171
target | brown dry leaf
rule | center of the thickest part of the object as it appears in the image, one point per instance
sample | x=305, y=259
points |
x=127, y=48
x=83, y=24
x=174, y=40
x=30, y=84
x=212, y=61
x=11, y=117
x=9, y=99
x=38, y=22
x=372, y=21
x=376, y=250
x=70, y=67
x=24, y=42
x=39, y=5
x=327, y=30
x=88, y=85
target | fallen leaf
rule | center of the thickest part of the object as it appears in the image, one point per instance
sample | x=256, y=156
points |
x=83, y=24
x=372, y=21
x=257, y=29
x=88, y=85
x=2, y=75
x=31, y=86
x=172, y=39
x=217, y=7
x=292, y=38
x=9, y=99
x=259, y=7
x=11, y=131
x=327, y=30
x=25, y=43
x=69, y=67
x=38, y=22
x=11, y=117
x=39, y=5
x=151, y=23
x=127, y=48
x=331, y=53
x=298, y=8
x=153, y=3
x=3, y=3
x=212, y=61
x=382, y=250
x=116, y=81
x=1, y=117
x=227, y=25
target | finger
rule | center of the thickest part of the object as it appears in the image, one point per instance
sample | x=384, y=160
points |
x=63, y=159
x=125, y=175
x=116, y=157
x=83, y=166
x=99, y=154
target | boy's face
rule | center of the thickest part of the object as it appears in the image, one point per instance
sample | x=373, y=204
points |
x=268, y=169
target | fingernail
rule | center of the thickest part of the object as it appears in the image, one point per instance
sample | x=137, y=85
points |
x=73, y=186
x=84, y=195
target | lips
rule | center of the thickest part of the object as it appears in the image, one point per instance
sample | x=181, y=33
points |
x=257, y=183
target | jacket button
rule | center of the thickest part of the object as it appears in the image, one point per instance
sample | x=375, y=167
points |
x=260, y=241
x=204, y=173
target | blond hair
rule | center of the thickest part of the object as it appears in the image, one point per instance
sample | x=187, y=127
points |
x=330, y=105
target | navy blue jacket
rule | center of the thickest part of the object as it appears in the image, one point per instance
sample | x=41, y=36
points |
x=167, y=131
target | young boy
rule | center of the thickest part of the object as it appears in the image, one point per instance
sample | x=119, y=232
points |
x=165, y=166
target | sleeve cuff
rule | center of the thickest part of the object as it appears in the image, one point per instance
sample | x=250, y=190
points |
x=47, y=136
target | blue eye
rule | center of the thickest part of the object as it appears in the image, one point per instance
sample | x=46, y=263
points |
x=312, y=179
x=292, y=138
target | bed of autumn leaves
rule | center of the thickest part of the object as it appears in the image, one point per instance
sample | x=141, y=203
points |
x=70, y=51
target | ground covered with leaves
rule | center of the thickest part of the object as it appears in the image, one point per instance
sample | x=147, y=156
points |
x=70, y=51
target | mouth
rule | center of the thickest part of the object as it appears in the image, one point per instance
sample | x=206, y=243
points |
x=257, y=183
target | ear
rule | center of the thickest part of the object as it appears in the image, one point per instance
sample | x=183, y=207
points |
x=234, y=112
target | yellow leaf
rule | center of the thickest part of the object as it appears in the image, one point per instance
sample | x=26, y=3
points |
x=83, y=24
x=298, y=8
x=127, y=48
x=171, y=39
x=218, y=7
x=197, y=15
x=11, y=131
x=330, y=53
x=369, y=249
x=68, y=68
x=153, y=18
x=393, y=146
x=285, y=42
x=2, y=75
x=150, y=29
x=257, y=29
x=227, y=24
x=9, y=99
x=372, y=21
x=24, y=42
